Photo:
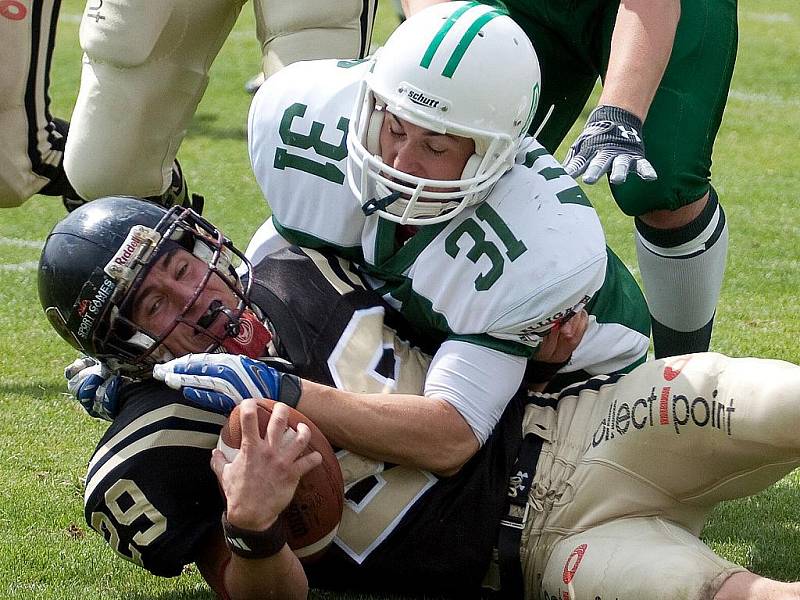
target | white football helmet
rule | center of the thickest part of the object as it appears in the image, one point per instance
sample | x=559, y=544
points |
x=462, y=68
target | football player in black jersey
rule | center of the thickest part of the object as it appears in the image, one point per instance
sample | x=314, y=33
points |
x=586, y=498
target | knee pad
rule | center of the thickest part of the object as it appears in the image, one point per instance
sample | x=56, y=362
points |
x=312, y=29
x=121, y=32
x=144, y=73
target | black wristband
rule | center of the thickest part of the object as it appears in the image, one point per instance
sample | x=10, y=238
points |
x=254, y=544
x=290, y=390
x=537, y=371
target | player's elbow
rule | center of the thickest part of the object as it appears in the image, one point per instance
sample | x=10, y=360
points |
x=457, y=456
x=457, y=443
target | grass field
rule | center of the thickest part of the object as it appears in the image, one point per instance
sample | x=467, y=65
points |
x=46, y=551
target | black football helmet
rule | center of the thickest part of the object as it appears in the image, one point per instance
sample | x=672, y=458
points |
x=94, y=260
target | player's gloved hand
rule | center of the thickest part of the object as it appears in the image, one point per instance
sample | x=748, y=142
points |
x=610, y=141
x=218, y=382
x=94, y=386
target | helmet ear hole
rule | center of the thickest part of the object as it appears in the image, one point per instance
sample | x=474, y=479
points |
x=471, y=168
x=373, y=138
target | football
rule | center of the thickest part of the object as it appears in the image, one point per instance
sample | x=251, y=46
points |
x=312, y=518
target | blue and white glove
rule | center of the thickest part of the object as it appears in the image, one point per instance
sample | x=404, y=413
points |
x=94, y=386
x=610, y=141
x=218, y=382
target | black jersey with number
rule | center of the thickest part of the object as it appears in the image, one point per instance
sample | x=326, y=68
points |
x=443, y=543
x=151, y=493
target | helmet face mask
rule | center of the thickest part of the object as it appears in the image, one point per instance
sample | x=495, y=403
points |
x=95, y=261
x=459, y=68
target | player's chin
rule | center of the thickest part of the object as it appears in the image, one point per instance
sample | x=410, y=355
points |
x=194, y=343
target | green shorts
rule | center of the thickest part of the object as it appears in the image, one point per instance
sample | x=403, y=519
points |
x=573, y=40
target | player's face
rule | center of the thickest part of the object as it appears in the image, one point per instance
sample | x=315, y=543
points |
x=422, y=152
x=166, y=293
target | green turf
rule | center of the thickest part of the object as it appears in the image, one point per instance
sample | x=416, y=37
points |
x=46, y=440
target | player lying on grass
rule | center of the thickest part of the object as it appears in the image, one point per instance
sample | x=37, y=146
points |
x=609, y=506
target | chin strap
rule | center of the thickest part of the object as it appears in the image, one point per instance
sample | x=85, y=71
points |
x=377, y=204
x=247, y=335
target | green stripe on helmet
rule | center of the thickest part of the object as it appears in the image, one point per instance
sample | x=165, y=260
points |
x=466, y=40
x=437, y=39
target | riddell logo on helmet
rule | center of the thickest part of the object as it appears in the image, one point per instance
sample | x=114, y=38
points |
x=536, y=331
x=245, y=332
x=129, y=248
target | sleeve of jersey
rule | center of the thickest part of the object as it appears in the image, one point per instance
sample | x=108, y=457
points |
x=150, y=491
x=296, y=137
x=478, y=381
x=550, y=302
x=265, y=240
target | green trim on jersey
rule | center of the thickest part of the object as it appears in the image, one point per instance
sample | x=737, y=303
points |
x=607, y=306
x=639, y=361
x=464, y=42
x=418, y=311
x=305, y=240
x=384, y=241
x=506, y=346
x=571, y=195
x=391, y=260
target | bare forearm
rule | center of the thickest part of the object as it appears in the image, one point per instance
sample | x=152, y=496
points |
x=279, y=576
x=411, y=7
x=640, y=49
x=405, y=429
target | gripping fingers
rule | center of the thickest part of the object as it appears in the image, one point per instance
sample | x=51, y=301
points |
x=208, y=382
x=645, y=170
x=305, y=463
x=570, y=335
x=78, y=365
x=598, y=165
x=620, y=168
x=248, y=417
x=295, y=445
x=85, y=385
x=575, y=167
x=216, y=401
x=278, y=422
x=218, y=463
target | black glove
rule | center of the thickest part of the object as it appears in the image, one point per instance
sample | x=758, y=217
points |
x=610, y=141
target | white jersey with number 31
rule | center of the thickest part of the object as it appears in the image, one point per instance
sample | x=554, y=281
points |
x=499, y=274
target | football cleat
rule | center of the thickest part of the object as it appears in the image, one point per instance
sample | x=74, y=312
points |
x=251, y=85
x=177, y=194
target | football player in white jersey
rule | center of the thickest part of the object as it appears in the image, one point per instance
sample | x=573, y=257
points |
x=416, y=165
x=146, y=67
